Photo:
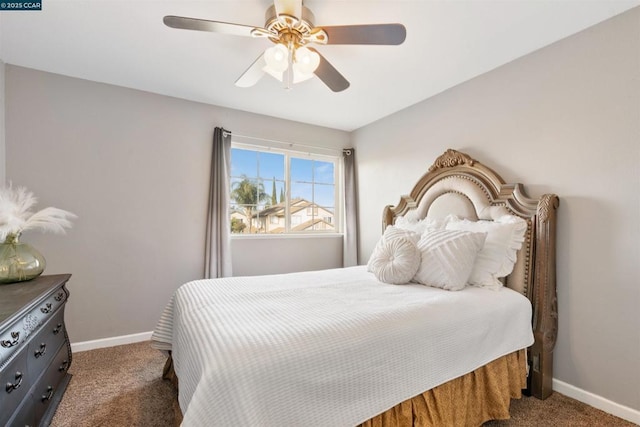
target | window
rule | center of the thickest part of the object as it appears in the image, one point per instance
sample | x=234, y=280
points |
x=280, y=191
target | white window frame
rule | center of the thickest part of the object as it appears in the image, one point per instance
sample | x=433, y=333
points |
x=338, y=171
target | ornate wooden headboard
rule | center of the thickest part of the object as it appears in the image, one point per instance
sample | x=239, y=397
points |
x=458, y=184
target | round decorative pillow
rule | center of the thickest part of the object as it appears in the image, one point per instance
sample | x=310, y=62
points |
x=395, y=261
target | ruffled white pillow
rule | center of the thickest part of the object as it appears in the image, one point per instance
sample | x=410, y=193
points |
x=411, y=222
x=447, y=258
x=394, y=260
x=498, y=255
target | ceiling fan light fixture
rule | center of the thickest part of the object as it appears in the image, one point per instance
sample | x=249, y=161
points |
x=300, y=75
x=305, y=60
x=273, y=73
x=277, y=58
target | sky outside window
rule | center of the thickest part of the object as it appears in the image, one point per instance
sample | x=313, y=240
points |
x=306, y=175
x=310, y=179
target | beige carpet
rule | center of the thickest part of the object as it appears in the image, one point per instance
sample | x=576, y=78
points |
x=121, y=386
x=117, y=386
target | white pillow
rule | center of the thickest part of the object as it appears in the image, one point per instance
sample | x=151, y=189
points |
x=447, y=258
x=395, y=261
x=393, y=232
x=498, y=256
x=411, y=222
x=390, y=233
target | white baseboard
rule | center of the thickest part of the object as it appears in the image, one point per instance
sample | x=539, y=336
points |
x=596, y=401
x=110, y=342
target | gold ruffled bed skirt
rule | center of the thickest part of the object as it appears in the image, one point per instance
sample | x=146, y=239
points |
x=470, y=400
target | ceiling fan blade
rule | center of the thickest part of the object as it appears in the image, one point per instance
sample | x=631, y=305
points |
x=329, y=75
x=291, y=8
x=252, y=74
x=184, y=23
x=381, y=34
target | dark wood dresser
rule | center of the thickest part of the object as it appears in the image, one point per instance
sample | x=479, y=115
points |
x=35, y=353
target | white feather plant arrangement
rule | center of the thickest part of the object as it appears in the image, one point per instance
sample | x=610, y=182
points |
x=16, y=214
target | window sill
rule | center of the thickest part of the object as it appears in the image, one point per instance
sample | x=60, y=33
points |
x=287, y=236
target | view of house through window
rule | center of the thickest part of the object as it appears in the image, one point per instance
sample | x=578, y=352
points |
x=275, y=192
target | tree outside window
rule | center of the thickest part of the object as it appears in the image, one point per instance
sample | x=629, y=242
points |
x=308, y=206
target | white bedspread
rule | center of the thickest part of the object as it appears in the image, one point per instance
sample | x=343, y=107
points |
x=330, y=348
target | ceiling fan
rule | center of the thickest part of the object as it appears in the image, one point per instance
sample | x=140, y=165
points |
x=290, y=26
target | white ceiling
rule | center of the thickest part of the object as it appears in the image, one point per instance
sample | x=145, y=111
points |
x=448, y=42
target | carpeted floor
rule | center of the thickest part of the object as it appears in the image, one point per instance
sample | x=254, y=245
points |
x=121, y=386
x=117, y=386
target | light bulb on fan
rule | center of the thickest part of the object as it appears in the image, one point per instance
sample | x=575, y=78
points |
x=306, y=60
x=277, y=58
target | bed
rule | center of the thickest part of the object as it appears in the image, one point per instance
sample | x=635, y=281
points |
x=341, y=348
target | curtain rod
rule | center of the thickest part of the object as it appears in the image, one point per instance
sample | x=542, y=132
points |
x=289, y=144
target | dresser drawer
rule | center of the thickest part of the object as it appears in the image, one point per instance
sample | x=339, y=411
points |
x=48, y=387
x=25, y=415
x=15, y=384
x=45, y=344
x=17, y=331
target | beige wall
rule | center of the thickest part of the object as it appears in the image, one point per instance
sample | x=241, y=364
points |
x=302, y=254
x=565, y=119
x=134, y=167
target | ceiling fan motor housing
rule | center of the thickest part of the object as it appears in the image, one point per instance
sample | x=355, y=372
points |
x=291, y=29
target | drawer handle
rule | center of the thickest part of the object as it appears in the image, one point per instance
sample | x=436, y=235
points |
x=14, y=341
x=57, y=329
x=46, y=309
x=59, y=296
x=10, y=387
x=64, y=366
x=42, y=351
x=49, y=394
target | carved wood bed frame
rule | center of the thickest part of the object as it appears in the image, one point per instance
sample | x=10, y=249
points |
x=458, y=184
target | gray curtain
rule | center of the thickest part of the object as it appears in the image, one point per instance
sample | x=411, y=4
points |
x=217, y=261
x=350, y=253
